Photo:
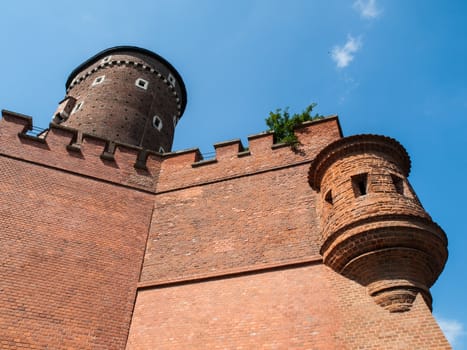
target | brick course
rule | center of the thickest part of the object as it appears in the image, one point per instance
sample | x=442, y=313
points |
x=71, y=255
x=308, y=307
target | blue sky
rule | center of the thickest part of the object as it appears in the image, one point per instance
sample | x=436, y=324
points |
x=396, y=68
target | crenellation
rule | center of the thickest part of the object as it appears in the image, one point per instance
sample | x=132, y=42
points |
x=17, y=118
x=261, y=143
x=228, y=149
x=59, y=137
x=232, y=160
x=72, y=150
x=109, y=150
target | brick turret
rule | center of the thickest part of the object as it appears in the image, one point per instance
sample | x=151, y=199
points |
x=125, y=94
x=374, y=229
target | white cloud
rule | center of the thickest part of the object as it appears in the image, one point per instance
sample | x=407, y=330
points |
x=453, y=330
x=343, y=55
x=367, y=8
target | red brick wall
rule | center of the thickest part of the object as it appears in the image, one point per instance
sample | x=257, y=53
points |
x=178, y=170
x=302, y=308
x=240, y=223
x=53, y=152
x=70, y=258
x=238, y=212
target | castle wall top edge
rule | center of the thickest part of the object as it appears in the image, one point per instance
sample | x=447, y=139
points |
x=72, y=149
x=321, y=120
x=228, y=142
x=262, y=155
x=24, y=117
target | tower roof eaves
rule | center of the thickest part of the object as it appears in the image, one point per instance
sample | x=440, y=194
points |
x=136, y=49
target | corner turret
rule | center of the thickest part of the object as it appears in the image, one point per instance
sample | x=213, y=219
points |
x=125, y=94
x=374, y=229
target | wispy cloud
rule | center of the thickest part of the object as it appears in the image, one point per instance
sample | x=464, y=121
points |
x=343, y=55
x=367, y=8
x=348, y=86
x=453, y=330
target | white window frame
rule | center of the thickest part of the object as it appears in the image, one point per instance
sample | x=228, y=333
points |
x=98, y=80
x=172, y=80
x=77, y=106
x=145, y=83
x=175, y=119
x=161, y=149
x=158, y=125
x=106, y=59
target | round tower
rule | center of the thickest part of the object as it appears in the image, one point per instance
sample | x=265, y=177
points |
x=374, y=229
x=125, y=94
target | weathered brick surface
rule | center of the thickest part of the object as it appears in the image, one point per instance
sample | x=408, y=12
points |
x=303, y=308
x=70, y=258
x=243, y=222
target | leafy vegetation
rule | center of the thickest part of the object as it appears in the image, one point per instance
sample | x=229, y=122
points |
x=283, y=124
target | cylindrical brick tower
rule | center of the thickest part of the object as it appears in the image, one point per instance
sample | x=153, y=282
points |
x=374, y=229
x=125, y=94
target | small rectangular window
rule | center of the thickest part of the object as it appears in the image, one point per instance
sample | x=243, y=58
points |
x=398, y=183
x=360, y=184
x=141, y=83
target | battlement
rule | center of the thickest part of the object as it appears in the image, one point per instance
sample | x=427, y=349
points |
x=71, y=150
x=232, y=159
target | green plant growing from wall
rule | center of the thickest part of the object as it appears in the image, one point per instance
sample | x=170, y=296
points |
x=283, y=124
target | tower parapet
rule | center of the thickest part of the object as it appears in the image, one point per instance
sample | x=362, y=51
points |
x=374, y=229
x=125, y=94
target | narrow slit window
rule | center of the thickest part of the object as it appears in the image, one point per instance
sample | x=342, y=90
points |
x=175, y=119
x=141, y=83
x=157, y=122
x=161, y=149
x=328, y=197
x=360, y=184
x=398, y=183
x=98, y=80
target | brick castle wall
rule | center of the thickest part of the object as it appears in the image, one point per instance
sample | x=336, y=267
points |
x=71, y=255
x=307, y=307
x=230, y=247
